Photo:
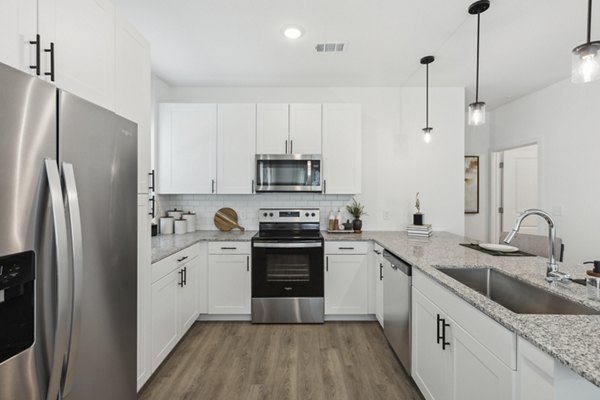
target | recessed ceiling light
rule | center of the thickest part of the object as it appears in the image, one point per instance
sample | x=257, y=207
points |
x=292, y=32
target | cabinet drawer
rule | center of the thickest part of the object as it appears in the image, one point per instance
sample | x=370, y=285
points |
x=346, y=247
x=498, y=340
x=229, y=248
x=177, y=260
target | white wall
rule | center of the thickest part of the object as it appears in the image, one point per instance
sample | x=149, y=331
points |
x=563, y=119
x=396, y=162
x=477, y=143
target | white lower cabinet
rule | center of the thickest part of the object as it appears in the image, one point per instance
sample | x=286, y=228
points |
x=377, y=270
x=449, y=359
x=229, y=277
x=174, y=300
x=346, y=281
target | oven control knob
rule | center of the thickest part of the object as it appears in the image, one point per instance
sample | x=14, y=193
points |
x=270, y=214
x=264, y=214
x=312, y=215
x=306, y=214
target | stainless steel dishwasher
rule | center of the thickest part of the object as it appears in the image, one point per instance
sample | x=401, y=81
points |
x=397, y=297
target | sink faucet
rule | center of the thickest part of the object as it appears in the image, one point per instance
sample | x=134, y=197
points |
x=552, y=272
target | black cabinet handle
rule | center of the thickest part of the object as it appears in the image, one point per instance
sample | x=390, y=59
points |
x=185, y=276
x=182, y=258
x=51, y=51
x=180, y=278
x=152, y=207
x=151, y=187
x=286, y=146
x=327, y=263
x=252, y=190
x=291, y=147
x=248, y=263
x=228, y=248
x=377, y=252
x=37, y=43
x=380, y=271
x=324, y=186
x=346, y=248
x=442, y=337
x=212, y=186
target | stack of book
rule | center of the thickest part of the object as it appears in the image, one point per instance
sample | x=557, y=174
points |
x=419, y=230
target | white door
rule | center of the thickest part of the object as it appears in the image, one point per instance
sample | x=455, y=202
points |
x=187, y=301
x=430, y=364
x=18, y=26
x=346, y=284
x=187, y=148
x=132, y=90
x=144, y=363
x=229, y=289
x=342, y=147
x=305, y=128
x=236, y=146
x=476, y=373
x=203, y=279
x=83, y=33
x=164, y=317
x=272, y=128
x=520, y=187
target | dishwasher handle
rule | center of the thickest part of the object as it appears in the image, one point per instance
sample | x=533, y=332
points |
x=398, y=264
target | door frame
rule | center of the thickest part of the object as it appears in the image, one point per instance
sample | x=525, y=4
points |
x=496, y=156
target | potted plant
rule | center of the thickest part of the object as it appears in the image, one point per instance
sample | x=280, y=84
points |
x=357, y=210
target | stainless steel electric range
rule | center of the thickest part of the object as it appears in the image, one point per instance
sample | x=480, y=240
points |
x=287, y=267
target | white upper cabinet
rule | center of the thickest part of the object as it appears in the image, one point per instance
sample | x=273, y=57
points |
x=236, y=146
x=18, y=26
x=342, y=136
x=82, y=33
x=132, y=90
x=305, y=129
x=187, y=148
x=272, y=128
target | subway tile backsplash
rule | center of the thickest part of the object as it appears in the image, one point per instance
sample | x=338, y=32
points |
x=246, y=206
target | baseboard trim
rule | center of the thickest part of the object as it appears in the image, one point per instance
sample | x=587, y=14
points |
x=360, y=317
x=224, y=317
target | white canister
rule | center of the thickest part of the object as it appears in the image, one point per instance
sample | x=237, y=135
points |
x=190, y=217
x=166, y=225
x=180, y=226
x=175, y=213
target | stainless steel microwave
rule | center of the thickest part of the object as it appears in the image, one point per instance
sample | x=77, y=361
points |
x=288, y=173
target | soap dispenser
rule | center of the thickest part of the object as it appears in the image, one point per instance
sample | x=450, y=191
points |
x=592, y=281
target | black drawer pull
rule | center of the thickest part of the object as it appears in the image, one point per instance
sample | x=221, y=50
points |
x=182, y=258
x=228, y=248
x=346, y=248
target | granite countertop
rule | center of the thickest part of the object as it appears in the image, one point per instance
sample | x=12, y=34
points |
x=165, y=245
x=574, y=340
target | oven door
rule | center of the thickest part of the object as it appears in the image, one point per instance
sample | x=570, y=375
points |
x=287, y=269
x=288, y=173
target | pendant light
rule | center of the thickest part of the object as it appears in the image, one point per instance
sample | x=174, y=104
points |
x=477, y=109
x=586, y=63
x=427, y=130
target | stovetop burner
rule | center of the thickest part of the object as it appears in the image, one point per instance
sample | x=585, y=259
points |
x=288, y=224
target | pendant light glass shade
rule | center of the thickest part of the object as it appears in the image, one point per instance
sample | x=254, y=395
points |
x=427, y=134
x=477, y=113
x=586, y=63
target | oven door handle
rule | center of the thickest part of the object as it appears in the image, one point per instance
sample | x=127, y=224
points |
x=301, y=245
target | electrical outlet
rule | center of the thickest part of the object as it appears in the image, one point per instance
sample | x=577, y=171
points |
x=386, y=215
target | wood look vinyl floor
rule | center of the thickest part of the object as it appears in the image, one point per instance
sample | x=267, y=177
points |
x=238, y=360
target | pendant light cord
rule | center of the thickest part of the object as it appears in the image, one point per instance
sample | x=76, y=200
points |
x=427, y=96
x=589, y=22
x=477, y=72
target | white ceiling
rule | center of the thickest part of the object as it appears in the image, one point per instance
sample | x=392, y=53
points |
x=526, y=44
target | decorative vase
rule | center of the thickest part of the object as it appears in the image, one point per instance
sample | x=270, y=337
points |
x=418, y=219
x=357, y=224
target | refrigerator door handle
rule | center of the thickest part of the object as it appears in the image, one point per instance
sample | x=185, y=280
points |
x=77, y=274
x=62, y=278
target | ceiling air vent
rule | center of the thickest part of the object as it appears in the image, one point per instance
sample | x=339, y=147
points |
x=330, y=47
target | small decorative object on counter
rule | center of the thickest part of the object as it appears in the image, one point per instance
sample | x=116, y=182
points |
x=592, y=281
x=348, y=225
x=418, y=216
x=419, y=230
x=357, y=210
x=175, y=213
x=180, y=226
x=226, y=219
x=166, y=225
x=190, y=217
x=331, y=222
x=339, y=224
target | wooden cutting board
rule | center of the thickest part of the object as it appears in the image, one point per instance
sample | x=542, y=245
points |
x=226, y=219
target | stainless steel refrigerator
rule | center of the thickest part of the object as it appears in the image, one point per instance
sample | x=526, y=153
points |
x=68, y=246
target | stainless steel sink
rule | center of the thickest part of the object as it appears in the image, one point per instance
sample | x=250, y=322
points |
x=514, y=294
